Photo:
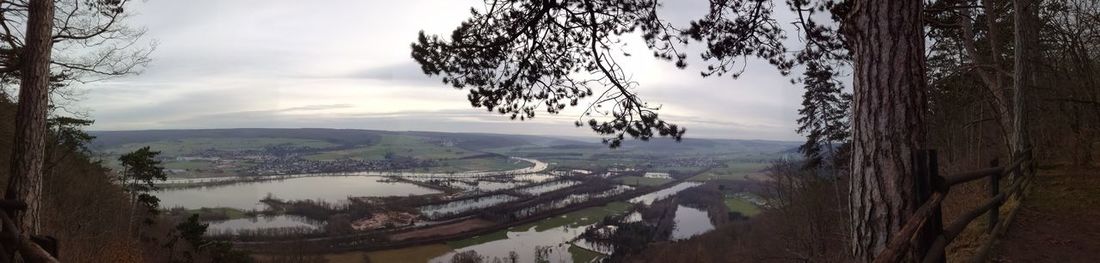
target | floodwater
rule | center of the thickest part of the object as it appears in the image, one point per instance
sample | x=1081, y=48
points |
x=455, y=207
x=548, y=187
x=246, y=196
x=690, y=222
x=657, y=175
x=649, y=198
x=524, y=242
x=263, y=222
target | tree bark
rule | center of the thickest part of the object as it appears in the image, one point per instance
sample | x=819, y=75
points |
x=890, y=100
x=1025, y=76
x=28, y=149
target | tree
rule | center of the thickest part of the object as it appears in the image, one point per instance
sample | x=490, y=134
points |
x=191, y=231
x=66, y=138
x=1025, y=75
x=524, y=51
x=40, y=62
x=468, y=256
x=28, y=150
x=890, y=100
x=519, y=56
x=140, y=173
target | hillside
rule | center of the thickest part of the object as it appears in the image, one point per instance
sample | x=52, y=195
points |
x=226, y=152
x=84, y=210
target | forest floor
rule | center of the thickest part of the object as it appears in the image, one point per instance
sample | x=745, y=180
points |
x=1058, y=221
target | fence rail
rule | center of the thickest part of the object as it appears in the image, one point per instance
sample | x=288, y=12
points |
x=32, y=249
x=924, y=233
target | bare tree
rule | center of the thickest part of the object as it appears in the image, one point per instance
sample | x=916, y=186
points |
x=91, y=40
x=86, y=40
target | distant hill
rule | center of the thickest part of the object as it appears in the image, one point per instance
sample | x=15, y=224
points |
x=472, y=141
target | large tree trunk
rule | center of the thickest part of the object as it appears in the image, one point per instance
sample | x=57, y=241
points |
x=28, y=149
x=1025, y=76
x=887, y=41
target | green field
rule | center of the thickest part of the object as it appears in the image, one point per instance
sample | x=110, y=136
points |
x=731, y=170
x=737, y=204
x=409, y=254
x=400, y=145
x=581, y=255
x=642, y=181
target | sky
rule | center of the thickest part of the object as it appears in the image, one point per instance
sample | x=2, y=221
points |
x=346, y=64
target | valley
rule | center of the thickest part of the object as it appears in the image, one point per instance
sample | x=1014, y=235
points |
x=378, y=194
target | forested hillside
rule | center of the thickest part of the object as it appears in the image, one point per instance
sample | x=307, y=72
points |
x=84, y=209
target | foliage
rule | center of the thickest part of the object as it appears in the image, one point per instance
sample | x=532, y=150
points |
x=468, y=256
x=516, y=56
x=69, y=133
x=141, y=171
x=519, y=56
x=193, y=232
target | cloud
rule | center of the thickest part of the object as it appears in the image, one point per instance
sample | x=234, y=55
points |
x=278, y=63
x=317, y=107
x=406, y=72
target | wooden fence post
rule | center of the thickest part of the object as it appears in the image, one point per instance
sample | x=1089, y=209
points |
x=928, y=180
x=994, y=190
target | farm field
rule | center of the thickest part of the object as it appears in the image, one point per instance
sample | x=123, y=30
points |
x=642, y=181
x=731, y=170
x=737, y=204
x=396, y=145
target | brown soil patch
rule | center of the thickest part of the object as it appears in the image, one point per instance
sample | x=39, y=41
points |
x=1058, y=221
x=445, y=229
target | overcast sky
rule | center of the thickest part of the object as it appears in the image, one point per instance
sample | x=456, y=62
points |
x=346, y=64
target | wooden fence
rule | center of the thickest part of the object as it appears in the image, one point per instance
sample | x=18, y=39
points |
x=925, y=234
x=30, y=248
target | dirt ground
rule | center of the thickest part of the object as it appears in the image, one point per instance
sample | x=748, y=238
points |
x=1059, y=220
x=447, y=229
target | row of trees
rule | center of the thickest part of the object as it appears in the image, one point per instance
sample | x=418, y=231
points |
x=906, y=58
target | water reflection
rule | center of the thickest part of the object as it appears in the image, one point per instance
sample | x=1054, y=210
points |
x=436, y=211
x=548, y=187
x=524, y=243
x=690, y=222
x=233, y=226
x=246, y=196
x=649, y=198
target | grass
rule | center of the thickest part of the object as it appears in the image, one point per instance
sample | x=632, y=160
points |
x=642, y=181
x=580, y=217
x=746, y=208
x=401, y=145
x=481, y=239
x=731, y=170
x=409, y=254
x=582, y=255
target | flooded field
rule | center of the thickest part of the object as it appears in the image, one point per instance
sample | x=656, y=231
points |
x=664, y=193
x=233, y=226
x=456, y=207
x=569, y=200
x=246, y=196
x=690, y=222
x=548, y=187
